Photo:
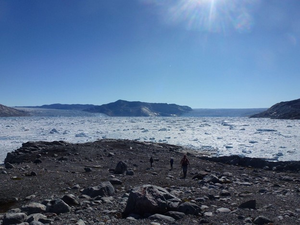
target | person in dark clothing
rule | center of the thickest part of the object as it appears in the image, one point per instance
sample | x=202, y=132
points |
x=171, y=163
x=184, y=164
x=151, y=161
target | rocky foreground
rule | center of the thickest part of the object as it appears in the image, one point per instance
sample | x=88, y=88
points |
x=111, y=182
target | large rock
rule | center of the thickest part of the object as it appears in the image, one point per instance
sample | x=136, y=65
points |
x=58, y=206
x=121, y=168
x=260, y=220
x=14, y=218
x=189, y=208
x=163, y=218
x=70, y=199
x=34, y=207
x=104, y=189
x=251, y=204
x=150, y=199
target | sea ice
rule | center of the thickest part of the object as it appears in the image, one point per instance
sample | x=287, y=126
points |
x=264, y=138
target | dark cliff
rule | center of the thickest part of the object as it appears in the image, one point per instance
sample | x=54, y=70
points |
x=10, y=112
x=282, y=110
x=126, y=108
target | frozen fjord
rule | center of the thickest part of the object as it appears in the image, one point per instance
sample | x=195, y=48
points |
x=264, y=138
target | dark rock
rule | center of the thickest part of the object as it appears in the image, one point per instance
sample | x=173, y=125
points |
x=37, y=161
x=225, y=193
x=38, y=217
x=70, y=199
x=104, y=189
x=115, y=181
x=120, y=168
x=251, y=204
x=260, y=220
x=150, y=199
x=200, y=175
x=189, y=208
x=58, y=206
x=14, y=218
x=34, y=207
x=211, y=178
x=176, y=215
x=129, y=172
x=87, y=169
x=9, y=165
x=161, y=217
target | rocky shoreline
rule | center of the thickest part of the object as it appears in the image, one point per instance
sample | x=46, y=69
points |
x=111, y=182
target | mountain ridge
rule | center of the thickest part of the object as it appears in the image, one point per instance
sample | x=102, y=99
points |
x=6, y=111
x=137, y=108
x=281, y=110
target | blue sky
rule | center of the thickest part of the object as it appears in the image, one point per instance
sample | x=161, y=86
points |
x=200, y=53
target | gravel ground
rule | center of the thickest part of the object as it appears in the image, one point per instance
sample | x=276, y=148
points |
x=70, y=168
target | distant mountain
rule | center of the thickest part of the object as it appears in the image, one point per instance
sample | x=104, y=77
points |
x=66, y=106
x=282, y=110
x=11, y=112
x=126, y=108
x=223, y=112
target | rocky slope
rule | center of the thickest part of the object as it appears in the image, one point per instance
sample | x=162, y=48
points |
x=282, y=110
x=111, y=182
x=126, y=108
x=10, y=112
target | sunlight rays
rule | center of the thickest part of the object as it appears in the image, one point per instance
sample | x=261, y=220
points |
x=216, y=16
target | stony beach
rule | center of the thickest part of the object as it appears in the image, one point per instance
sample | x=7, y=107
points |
x=111, y=182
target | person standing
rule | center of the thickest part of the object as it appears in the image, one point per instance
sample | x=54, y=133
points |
x=171, y=162
x=184, y=164
x=151, y=161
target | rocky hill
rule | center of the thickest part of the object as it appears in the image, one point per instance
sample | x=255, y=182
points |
x=10, y=112
x=112, y=182
x=66, y=106
x=282, y=110
x=126, y=108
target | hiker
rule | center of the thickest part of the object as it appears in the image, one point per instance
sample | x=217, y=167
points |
x=171, y=162
x=184, y=164
x=151, y=161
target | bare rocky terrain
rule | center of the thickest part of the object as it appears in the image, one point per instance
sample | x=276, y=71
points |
x=63, y=183
x=10, y=112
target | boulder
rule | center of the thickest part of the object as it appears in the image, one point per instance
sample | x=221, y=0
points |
x=150, y=199
x=189, y=208
x=104, y=189
x=211, y=178
x=58, y=206
x=176, y=215
x=115, y=181
x=160, y=217
x=121, y=168
x=251, y=204
x=38, y=217
x=14, y=218
x=34, y=207
x=70, y=199
x=261, y=220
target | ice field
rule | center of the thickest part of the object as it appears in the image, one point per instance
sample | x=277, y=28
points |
x=265, y=138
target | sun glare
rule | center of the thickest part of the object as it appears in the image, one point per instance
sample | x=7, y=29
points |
x=219, y=16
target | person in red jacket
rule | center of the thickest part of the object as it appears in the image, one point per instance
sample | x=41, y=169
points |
x=184, y=164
